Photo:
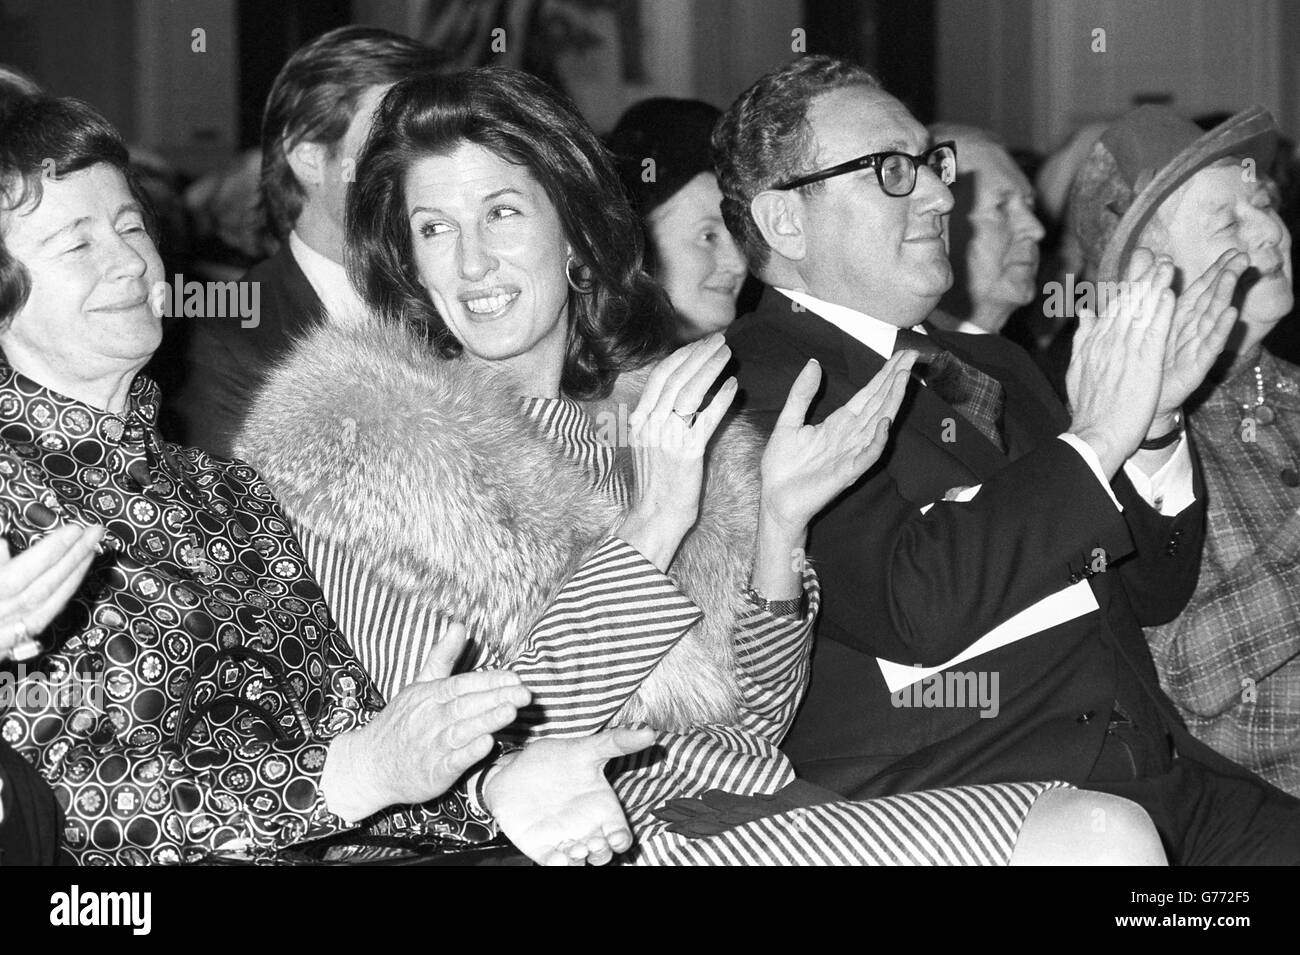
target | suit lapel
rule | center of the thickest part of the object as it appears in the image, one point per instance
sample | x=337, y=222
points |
x=303, y=307
x=923, y=412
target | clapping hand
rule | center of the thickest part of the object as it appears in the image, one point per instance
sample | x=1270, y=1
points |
x=805, y=466
x=37, y=584
x=553, y=802
x=669, y=432
x=1116, y=374
x=1202, y=321
x=434, y=730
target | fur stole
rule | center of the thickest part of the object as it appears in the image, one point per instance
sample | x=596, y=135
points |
x=428, y=471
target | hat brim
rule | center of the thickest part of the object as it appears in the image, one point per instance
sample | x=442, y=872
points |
x=1251, y=133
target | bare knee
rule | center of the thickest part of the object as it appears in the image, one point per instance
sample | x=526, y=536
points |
x=1073, y=827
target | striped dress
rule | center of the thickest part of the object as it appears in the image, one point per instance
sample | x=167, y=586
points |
x=616, y=618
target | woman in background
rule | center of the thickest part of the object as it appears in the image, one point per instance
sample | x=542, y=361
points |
x=661, y=148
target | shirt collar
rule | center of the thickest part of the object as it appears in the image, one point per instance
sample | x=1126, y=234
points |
x=328, y=279
x=877, y=335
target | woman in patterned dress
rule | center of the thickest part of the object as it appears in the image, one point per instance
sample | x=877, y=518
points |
x=457, y=452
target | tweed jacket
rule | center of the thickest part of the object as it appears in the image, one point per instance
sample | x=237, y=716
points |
x=1231, y=661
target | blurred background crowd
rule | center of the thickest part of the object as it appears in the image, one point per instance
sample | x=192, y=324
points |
x=187, y=80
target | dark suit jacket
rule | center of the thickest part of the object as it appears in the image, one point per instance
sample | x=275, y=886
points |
x=919, y=589
x=226, y=363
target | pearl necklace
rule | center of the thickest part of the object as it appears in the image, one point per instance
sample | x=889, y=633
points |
x=1259, y=411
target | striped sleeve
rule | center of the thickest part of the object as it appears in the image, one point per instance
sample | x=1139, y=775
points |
x=605, y=632
x=390, y=632
x=772, y=659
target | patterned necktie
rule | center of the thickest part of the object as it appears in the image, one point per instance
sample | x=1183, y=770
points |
x=977, y=397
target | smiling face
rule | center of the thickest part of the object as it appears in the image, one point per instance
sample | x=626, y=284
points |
x=700, y=266
x=882, y=255
x=1002, y=256
x=92, y=268
x=1218, y=209
x=490, y=250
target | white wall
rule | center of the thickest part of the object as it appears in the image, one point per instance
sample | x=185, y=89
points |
x=1027, y=68
x=737, y=41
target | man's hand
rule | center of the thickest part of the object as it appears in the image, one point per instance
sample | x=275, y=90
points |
x=1116, y=374
x=805, y=466
x=1202, y=322
x=37, y=584
x=430, y=735
x=554, y=803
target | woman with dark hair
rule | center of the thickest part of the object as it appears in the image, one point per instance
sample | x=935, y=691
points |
x=459, y=450
x=194, y=695
x=661, y=148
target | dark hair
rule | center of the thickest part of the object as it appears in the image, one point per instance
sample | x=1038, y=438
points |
x=763, y=138
x=674, y=134
x=314, y=98
x=51, y=136
x=613, y=326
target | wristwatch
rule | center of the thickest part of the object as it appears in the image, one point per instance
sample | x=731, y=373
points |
x=793, y=607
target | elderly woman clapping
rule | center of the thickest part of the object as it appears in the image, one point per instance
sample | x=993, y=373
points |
x=205, y=699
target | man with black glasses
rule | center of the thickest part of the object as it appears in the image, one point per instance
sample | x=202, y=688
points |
x=984, y=585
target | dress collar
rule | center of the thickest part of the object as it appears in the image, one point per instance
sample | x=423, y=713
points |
x=45, y=410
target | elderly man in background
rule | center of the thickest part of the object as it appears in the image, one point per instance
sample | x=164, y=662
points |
x=993, y=235
x=317, y=117
x=1231, y=661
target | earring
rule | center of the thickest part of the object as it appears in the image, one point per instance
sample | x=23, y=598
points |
x=579, y=288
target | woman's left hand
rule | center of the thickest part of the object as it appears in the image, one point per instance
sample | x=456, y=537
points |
x=669, y=432
x=805, y=466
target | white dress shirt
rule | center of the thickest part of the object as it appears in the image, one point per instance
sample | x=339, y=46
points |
x=970, y=328
x=1169, y=490
x=328, y=278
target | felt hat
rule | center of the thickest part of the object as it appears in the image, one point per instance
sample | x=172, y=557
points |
x=1138, y=163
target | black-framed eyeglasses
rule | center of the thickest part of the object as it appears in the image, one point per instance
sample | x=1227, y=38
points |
x=895, y=171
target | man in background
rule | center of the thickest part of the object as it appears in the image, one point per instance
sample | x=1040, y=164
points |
x=317, y=118
x=993, y=234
